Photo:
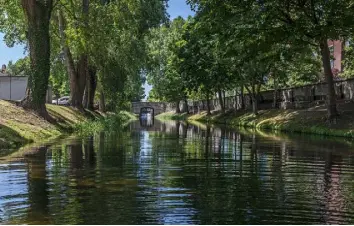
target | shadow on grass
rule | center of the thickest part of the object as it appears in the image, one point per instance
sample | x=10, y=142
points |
x=9, y=140
x=65, y=118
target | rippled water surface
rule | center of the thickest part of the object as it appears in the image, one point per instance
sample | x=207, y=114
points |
x=175, y=173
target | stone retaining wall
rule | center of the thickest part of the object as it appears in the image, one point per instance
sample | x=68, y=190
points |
x=290, y=98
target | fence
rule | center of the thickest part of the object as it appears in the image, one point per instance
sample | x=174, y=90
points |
x=288, y=98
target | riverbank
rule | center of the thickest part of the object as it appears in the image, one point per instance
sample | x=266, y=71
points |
x=312, y=121
x=19, y=127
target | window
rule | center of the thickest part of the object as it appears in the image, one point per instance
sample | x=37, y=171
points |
x=331, y=50
x=347, y=43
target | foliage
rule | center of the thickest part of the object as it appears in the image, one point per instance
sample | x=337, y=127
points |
x=122, y=33
x=111, y=33
x=163, y=68
x=20, y=67
x=261, y=26
x=348, y=62
x=112, y=122
x=12, y=22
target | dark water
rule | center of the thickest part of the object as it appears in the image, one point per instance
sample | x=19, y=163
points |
x=174, y=173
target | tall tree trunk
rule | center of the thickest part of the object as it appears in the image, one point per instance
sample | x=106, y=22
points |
x=91, y=85
x=178, y=124
x=221, y=101
x=85, y=98
x=331, y=96
x=242, y=99
x=77, y=73
x=185, y=106
x=177, y=107
x=38, y=14
x=208, y=105
x=236, y=99
x=254, y=104
x=102, y=104
x=224, y=97
x=254, y=97
x=275, y=94
x=78, y=82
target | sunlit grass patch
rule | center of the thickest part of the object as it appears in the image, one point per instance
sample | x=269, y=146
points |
x=172, y=116
x=18, y=126
x=301, y=121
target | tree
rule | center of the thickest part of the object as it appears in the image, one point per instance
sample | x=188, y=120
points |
x=38, y=13
x=164, y=72
x=311, y=22
x=205, y=66
x=79, y=70
x=28, y=22
x=59, y=79
x=20, y=67
x=98, y=33
x=349, y=59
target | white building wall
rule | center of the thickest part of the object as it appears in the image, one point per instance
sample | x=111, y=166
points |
x=13, y=88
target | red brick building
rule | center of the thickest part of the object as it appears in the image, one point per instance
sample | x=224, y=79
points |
x=336, y=48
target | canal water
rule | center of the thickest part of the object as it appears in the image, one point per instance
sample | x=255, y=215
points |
x=178, y=173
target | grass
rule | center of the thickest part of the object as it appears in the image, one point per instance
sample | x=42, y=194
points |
x=111, y=122
x=313, y=121
x=172, y=116
x=19, y=127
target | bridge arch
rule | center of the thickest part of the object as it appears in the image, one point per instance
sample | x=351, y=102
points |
x=150, y=110
x=157, y=106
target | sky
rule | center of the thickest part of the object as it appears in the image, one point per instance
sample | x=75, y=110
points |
x=175, y=8
x=7, y=54
x=179, y=8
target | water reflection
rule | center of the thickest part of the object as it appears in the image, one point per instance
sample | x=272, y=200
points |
x=178, y=173
x=146, y=120
x=38, y=194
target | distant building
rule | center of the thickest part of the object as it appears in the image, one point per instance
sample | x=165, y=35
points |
x=12, y=87
x=336, y=47
x=3, y=69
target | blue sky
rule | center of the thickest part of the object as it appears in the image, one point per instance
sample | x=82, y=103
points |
x=179, y=8
x=7, y=54
x=176, y=8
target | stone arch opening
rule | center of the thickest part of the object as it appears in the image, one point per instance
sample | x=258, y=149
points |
x=147, y=110
x=146, y=116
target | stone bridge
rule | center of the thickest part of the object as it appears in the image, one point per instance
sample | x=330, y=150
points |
x=158, y=107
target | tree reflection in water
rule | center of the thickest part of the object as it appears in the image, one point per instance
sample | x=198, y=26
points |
x=38, y=193
x=174, y=172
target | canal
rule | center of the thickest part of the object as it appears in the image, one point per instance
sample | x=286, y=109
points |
x=178, y=173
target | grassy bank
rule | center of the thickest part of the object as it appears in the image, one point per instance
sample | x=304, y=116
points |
x=18, y=127
x=111, y=122
x=172, y=116
x=301, y=121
